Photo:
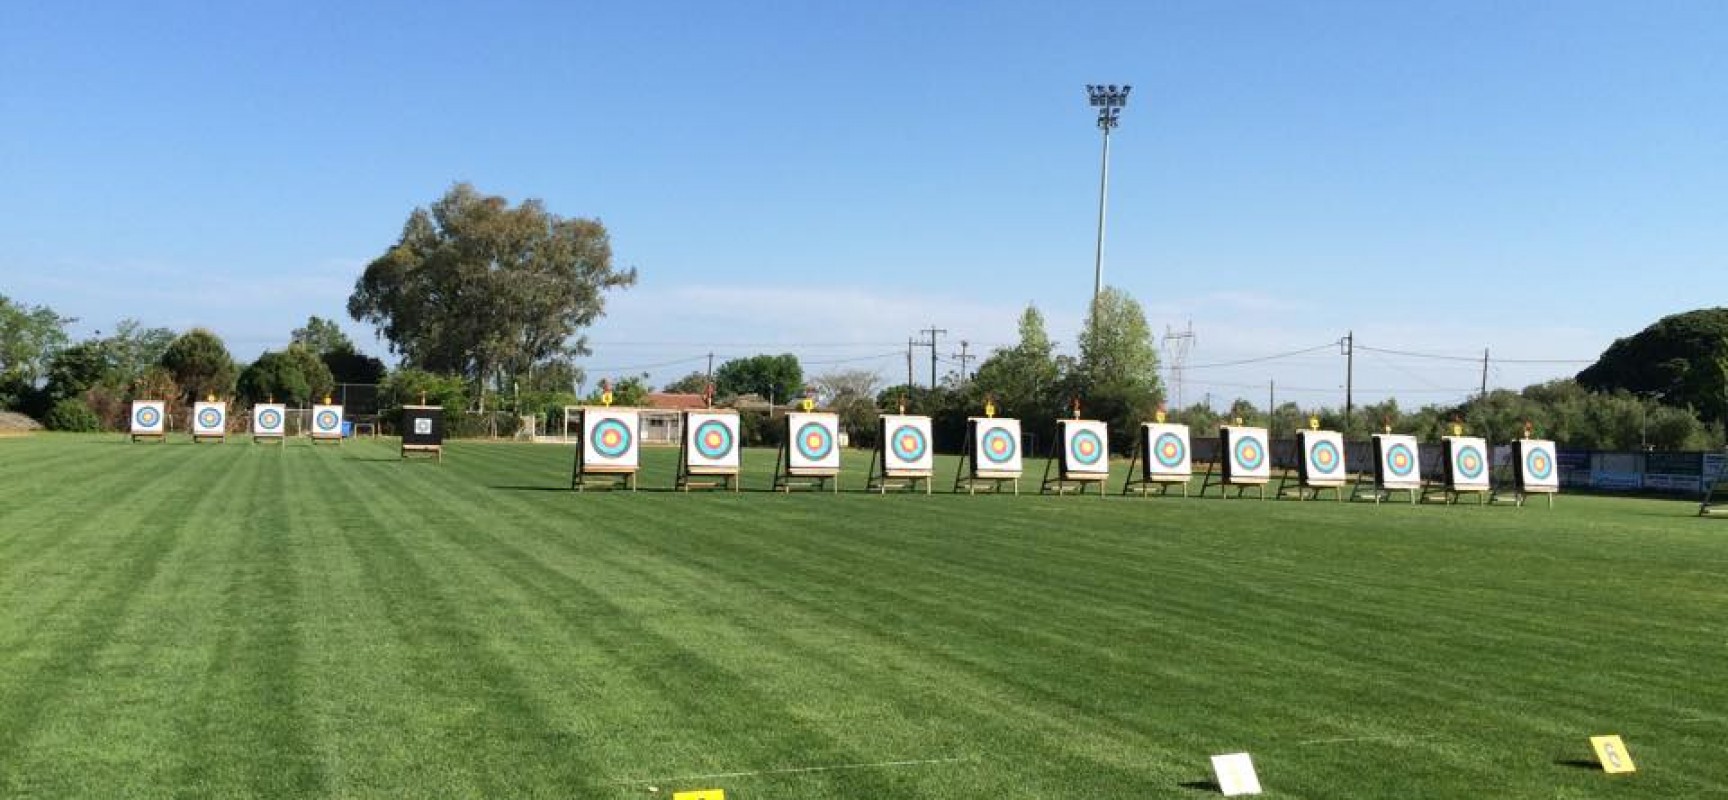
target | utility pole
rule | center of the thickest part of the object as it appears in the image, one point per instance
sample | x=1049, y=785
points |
x=1484, y=372
x=934, y=332
x=963, y=359
x=1271, y=404
x=1348, y=345
x=1176, y=355
x=910, y=343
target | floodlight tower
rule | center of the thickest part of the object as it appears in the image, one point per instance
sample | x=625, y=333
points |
x=1109, y=100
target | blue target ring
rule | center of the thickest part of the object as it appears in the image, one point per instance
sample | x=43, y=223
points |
x=611, y=438
x=147, y=417
x=999, y=446
x=1469, y=462
x=1400, y=461
x=908, y=443
x=713, y=440
x=1085, y=447
x=813, y=441
x=1324, y=459
x=1539, y=463
x=1169, y=450
x=1249, y=453
x=210, y=418
x=328, y=420
x=269, y=419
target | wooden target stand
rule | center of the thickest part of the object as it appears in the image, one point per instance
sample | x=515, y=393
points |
x=788, y=477
x=1067, y=480
x=970, y=473
x=1149, y=483
x=882, y=478
x=702, y=476
x=1218, y=474
x=585, y=475
x=1712, y=487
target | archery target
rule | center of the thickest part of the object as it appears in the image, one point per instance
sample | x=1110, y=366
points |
x=149, y=416
x=1167, y=450
x=1398, y=463
x=1536, y=468
x=610, y=438
x=812, y=441
x=209, y=419
x=1085, y=447
x=710, y=440
x=326, y=422
x=269, y=419
x=1466, y=462
x=1322, y=458
x=995, y=447
x=906, y=444
x=1247, y=454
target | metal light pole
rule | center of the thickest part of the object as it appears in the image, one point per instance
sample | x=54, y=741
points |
x=1109, y=100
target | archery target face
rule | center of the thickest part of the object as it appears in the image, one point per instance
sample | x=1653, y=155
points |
x=996, y=446
x=1085, y=447
x=610, y=437
x=1400, y=464
x=1468, y=467
x=1323, y=458
x=906, y=446
x=813, y=441
x=711, y=440
x=326, y=420
x=149, y=416
x=209, y=419
x=1247, y=453
x=1536, y=464
x=269, y=419
x=1167, y=450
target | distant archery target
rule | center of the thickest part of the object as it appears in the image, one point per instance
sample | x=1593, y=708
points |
x=147, y=417
x=815, y=442
x=1324, y=459
x=713, y=440
x=1170, y=450
x=612, y=439
x=1167, y=450
x=209, y=418
x=1398, y=465
x=1467, y=467
x=906, y=444
x=1400, y=461
x=1246, y=459
x=999, y=446
x=269, y=419
x=1536, y=465
x=326, y=421
x=812, y=441
x=1085, y=447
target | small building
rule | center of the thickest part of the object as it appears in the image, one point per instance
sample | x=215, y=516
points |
x=663, y=417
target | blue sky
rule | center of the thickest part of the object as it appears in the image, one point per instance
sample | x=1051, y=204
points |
x=1536, y=178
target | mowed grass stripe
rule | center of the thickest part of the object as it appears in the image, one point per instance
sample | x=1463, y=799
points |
x=336, y=623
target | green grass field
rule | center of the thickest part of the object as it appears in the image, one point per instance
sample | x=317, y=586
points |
x=251, y=621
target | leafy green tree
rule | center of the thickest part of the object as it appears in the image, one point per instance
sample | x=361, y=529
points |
x=319, y=381
x=79, y=368
x=295, y=376
x=133, y=349
x=694, y=383
x=200, y=365
x=29, y=338
x=1683, y=357
x=1116, y=377
x=629, y=392
x=482, y=289
x=321, y=336
x=851, y=395
x=72, y=414
x=1024, y=379
x=778, y=378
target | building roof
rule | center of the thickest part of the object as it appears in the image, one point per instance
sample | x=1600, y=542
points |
x=676, y=401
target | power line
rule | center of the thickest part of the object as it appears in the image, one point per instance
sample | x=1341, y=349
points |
x=1475, y=359
x=1258, y=359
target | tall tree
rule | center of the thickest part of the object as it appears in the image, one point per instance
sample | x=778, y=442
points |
x=29, y=338
x=779, y=378
x=322, y=337
x=477, y=287
x=1024, y=379
x=200, y=365
x=1679, y=358
x=1116, y=377
x=694, y=383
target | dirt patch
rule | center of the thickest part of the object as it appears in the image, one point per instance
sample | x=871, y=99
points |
x=11, y=423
